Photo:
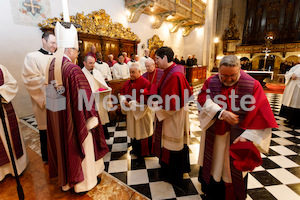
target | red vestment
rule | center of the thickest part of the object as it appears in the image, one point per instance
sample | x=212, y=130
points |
x=67, y=129
x=111, y=63
x=141, y=147
x=138, y=84
x=173, y=162
x=174, y=84
x=92, y=54
x=260, y=118
x=155, y=76
x=126, y=60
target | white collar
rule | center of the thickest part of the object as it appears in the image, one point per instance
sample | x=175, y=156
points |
x=67, y=57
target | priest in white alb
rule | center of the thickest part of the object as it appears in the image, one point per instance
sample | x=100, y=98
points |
x=8, y=90
x=143, y=60
x=120, y=70
x=100, y=89
x=33, y=75
x=290, y=108
x=103, y=67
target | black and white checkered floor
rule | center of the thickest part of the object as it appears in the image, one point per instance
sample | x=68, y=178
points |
x=277, y=178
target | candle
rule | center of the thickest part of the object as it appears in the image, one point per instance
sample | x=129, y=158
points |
x=65, y=11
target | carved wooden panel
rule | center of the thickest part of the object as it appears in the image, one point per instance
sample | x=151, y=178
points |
x=105, y=45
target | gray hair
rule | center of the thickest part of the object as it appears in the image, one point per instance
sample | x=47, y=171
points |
x=135, y=65
x=230, y=61
x=150, y=61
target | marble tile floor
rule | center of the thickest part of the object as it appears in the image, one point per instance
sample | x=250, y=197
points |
x=37, y=186
x=277, y=178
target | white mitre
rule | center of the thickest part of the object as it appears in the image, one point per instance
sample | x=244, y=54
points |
x=66, y=38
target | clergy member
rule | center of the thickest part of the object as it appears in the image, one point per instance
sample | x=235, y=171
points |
x=171, y=135
x=133, y=60
x=153, y=74
x=33, y=75
x=290, y=108
x=97, y=82
x=143, y=60
x=111, y=60
x=233, y=108
x=8, y=90
x=92, y=52
x=120, y=70
x=138, y=114
x=76, y=142
x=103, y=67
x=126, y=59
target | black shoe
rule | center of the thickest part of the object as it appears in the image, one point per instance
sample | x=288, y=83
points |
x=98, y=180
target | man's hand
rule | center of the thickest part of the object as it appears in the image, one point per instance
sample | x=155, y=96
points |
x=230, y=117
x=126, y=104
x=294, y=77
x=239, y=139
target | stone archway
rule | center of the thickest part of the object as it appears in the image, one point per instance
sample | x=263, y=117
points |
x=292, y=58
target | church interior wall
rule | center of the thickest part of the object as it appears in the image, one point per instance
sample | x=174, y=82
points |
x=19, y=39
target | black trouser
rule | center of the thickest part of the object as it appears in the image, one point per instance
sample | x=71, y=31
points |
x=43, y=140
x=106, y=133
x=215, y=190
x=179, y=163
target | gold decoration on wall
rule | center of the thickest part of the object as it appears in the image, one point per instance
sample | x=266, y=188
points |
x=95, y=23
x=153, y=44
x=232, y=33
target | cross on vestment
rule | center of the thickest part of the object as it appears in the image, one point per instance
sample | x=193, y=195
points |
x=265, y=62
x=33, y=6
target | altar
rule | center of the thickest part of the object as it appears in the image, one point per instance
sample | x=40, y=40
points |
x=261, y=76
x=258, y=75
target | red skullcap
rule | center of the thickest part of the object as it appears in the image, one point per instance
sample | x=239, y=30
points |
x=246, y=156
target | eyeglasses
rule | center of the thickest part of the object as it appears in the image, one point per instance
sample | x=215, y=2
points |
x=232, y=76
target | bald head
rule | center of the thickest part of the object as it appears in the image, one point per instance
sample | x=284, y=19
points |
x=89, y=62
x=146, y=52
x=150, y=65
x=93, y=49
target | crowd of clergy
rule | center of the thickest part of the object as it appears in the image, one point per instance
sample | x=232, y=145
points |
x=73, y=140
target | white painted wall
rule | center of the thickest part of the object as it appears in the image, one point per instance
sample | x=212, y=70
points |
x=17, y=40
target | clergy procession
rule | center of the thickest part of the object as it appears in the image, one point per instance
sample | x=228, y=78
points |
x=82, y=97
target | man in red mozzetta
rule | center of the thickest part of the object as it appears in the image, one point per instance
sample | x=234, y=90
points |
x=139, y=116
x=171, y=135
x=153, y=74
x=233, y=108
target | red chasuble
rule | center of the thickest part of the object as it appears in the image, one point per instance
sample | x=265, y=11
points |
x=67, y=129
x=138, y=84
